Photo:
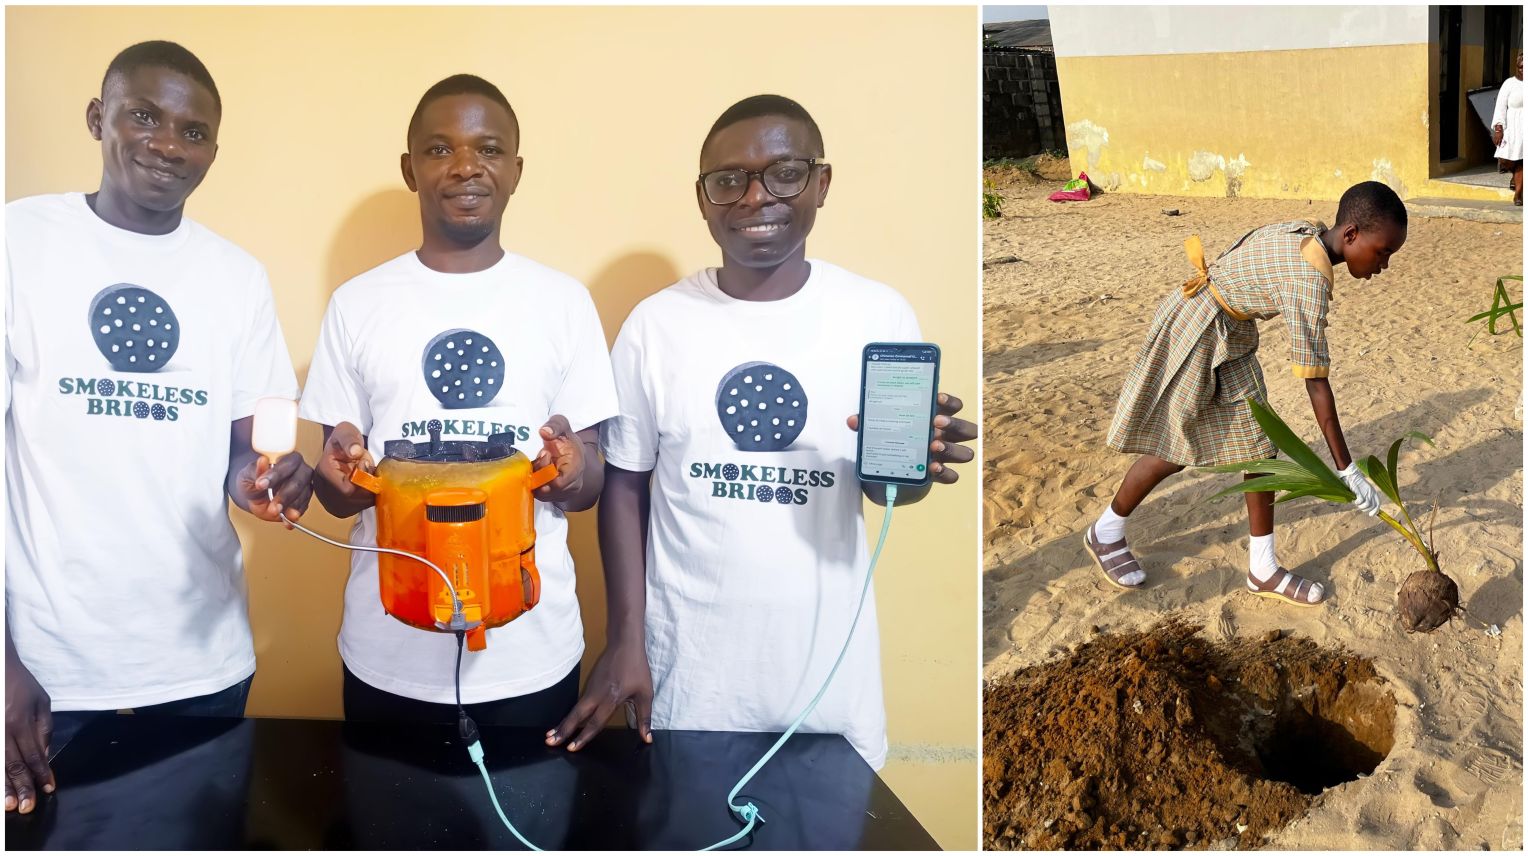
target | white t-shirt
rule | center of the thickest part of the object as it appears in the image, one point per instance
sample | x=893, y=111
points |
x=127, y=358
x=546, y=355
x=756, y=541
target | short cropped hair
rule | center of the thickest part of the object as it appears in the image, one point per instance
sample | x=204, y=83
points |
x=756, y=106
x=162, y=54
x=463, y=84
x=1369, y=205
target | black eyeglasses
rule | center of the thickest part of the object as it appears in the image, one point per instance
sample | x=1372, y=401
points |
x=783, y=179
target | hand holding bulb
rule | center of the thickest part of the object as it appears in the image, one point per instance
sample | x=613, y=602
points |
x=278, y=483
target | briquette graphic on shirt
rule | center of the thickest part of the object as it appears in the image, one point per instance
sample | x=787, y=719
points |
x=134, y=328
x=762, y=407
x=463, y=368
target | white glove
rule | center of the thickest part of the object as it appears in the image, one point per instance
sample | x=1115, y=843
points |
x=1364, y=494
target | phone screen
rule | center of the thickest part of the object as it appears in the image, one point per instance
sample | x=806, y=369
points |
x=897, y=412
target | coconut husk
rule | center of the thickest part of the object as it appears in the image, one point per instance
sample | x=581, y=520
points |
x=1426, y=601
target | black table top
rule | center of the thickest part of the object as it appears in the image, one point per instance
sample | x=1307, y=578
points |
x=139, y=782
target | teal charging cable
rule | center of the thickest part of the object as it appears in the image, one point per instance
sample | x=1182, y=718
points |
x=748, y=813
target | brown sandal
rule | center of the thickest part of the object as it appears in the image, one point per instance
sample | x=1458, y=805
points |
x=1115, y=560
x=1278, y=587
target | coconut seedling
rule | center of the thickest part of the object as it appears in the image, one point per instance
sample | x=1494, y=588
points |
x=1428, y=598
x=1501, y=307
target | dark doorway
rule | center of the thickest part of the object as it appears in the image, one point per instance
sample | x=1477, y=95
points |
x=1503, y=37
x=1450, y=29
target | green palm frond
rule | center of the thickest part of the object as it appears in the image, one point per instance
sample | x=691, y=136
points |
x=1305, y=474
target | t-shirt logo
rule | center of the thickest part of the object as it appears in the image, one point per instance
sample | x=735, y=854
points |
x=463, y=369
x=134, y=328
x=762, y=407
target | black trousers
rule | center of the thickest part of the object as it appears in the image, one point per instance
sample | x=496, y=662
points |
x=542, y=709
x=226, y=702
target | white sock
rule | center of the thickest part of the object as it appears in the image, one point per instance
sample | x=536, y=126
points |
x=1109, y=528
x=1265, y=563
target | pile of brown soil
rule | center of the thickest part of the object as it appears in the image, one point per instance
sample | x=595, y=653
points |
x=1028, y=174
x=1052, y=168
x=1161, y=739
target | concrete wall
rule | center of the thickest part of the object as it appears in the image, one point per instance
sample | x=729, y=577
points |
x=614, y=103
x=1021, y=104
x=1276, y=102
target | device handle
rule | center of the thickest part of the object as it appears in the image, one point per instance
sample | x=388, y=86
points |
x=366, y=481
x=543, y=476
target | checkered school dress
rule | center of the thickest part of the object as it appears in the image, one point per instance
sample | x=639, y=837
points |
x=1185, y=398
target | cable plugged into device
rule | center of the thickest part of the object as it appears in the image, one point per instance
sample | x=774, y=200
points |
x=466, y=729
x=276, y=438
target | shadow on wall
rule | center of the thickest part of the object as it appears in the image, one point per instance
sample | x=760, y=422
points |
x=617, y=288
x=297, y=584
x=380, y=227
x=622, y=284
x=296, y=597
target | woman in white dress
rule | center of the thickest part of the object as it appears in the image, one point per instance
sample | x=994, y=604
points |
x=1507, y=130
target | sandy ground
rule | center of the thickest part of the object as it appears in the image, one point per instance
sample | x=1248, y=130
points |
x=1062, y=326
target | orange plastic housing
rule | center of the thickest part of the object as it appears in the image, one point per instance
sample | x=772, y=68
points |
x=491, y=559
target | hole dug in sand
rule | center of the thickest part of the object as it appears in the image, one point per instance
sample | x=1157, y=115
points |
x=1161, y=739
x=1318, y=740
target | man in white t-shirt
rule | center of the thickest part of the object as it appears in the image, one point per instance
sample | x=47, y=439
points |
x=136, y=345
x=733, y=578
x=463, y=341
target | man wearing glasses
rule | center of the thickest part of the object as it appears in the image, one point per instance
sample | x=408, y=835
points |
x=732, y=576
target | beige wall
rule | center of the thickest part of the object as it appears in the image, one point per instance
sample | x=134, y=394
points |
x=613, y=104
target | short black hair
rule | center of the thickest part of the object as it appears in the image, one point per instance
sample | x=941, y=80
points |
x=162, y=54
x=463, y=84
x=755, y=106
x=1370, y=204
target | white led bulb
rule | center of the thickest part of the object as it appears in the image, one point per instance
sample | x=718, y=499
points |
x=275, y=431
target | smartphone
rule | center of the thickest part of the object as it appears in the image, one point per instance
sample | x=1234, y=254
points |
x=899, y=388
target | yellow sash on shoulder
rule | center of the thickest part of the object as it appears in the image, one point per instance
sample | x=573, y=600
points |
x=1194, y=248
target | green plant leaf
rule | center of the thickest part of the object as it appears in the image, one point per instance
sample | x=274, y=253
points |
x=1305, y=486
x=1372, y=468
x=1288, y=442
x=1320, y=492
x=1262, y=467
x=1501, y=306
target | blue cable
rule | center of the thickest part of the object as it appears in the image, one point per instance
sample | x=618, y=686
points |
x=475, y=750
x=748, y=813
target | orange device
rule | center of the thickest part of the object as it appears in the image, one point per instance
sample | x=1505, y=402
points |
x=466, y=507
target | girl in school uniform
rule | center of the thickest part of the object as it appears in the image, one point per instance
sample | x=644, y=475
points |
x=1184, y=402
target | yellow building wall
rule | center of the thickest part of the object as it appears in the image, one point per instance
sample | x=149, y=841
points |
x=614, y=103
x=1288, y=124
